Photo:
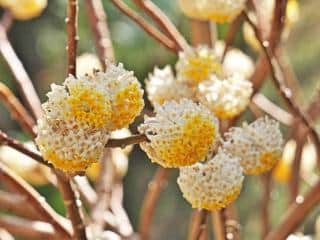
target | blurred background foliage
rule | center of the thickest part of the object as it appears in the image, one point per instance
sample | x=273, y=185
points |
x=40, y=43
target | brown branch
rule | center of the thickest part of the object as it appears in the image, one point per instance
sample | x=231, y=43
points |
x=163, y=21
x=35, y=200
x=272, y=109
x=103, y=188
x=150, y=200
x=200, y=32
x=284, y=91
x=296, y=214
x=27, y=229
x=72, y=24
x=17, y=205
x=198, y=228
x=6, y=140
x=265, y=201
x=22, y=78
x=123, y=142
x=86, y=191
x=125, y=228
x=17, y=110
x=313, y=110
x=219, y=224
x=72, y=205
x=152, y=31
x=99, y=27
x=232, y=30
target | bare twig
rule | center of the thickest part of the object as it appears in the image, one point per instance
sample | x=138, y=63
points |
x=35, y=200
x=163, y=21
x=72, y=24
x=86, y=191
x=28, y=229
x=232, y=30
x=6, y=140
x=103, y=187
x=22, y=78
x=17, y=204
x=313, y=110
x=152, y=31
x=150, y=200
x=17, y=110
x=284, y=91
x=266, y=188
x=198, y=224
x=219, y=227
x=272, y=109
x=123, y=142
x=72, y=205
x=6, y=20
x=99, y=27
x=200, y=32
x=296, y=214
x=125, y=228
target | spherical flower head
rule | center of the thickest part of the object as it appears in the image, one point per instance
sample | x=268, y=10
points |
x=180, y=134
x=162, y=86
x=24, y=9
x=87, y=63
x=125, y=92
x=235, y=61
x=107, y=100
x=258, y=145
x=68, y=145
x=216, y=10
x=226, y=98
x=196, y=65
x=24, y=166
x=213, y=184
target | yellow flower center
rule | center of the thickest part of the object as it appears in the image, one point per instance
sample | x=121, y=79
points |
x=268, y=160
x=89, y=105
x=127, y=105
x=199, y=68
x=191, y=146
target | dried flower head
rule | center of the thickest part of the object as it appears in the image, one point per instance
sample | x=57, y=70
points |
x=258, y=145
x=24, y=166
x=24, y=9
x=196, y=65
x=180, y=134
x=107, y=100
x=213, y=184
x=162, y=86
x=216, y=10
x=226, y=98
x=68, y=145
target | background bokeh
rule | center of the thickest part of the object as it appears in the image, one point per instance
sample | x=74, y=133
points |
x=40, y=43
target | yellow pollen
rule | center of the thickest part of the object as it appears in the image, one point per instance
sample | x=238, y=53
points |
x=127, y=105
x=199, y=68
x=89, y=105
x=268, y=160
x=190, y=147
x=69, y=165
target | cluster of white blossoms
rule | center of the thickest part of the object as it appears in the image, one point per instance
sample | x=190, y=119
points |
x=215, y=10
x=180, y=134
x=258, y=145
x=226, y=97
x=224, y=89
x=213, y=184
x=79, y=115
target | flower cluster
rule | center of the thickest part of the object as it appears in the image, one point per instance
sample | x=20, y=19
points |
x=24, y=9
x=79, y=115
x=258, y=145
x=213, y=184
x=216, y=10
x=224, y=89
x=181, y=133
